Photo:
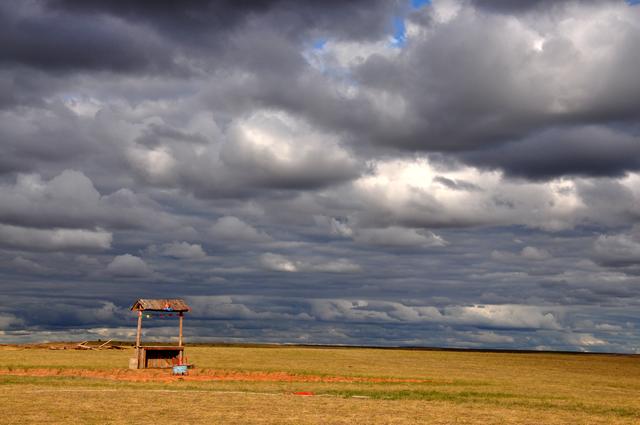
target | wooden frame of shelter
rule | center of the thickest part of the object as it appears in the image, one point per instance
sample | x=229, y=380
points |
x=153, y=356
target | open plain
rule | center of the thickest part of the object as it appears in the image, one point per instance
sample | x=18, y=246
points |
x=299, y=385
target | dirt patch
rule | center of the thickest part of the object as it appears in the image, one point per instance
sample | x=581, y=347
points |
x=149, y=375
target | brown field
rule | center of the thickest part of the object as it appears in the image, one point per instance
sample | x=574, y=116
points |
x=237, y=385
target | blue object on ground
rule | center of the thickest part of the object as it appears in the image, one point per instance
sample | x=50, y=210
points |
x=180, y=369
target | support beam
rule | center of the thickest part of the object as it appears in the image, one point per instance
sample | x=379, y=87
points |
x=180, y=334
x=138, y=337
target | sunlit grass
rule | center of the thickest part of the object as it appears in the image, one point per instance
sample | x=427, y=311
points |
x=499, y=387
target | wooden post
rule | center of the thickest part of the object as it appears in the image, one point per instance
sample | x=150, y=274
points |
x=180, y=336
x=138, y=337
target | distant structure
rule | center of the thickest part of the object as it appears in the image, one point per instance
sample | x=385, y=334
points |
x=153, y=356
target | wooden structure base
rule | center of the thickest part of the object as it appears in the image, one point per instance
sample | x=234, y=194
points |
x=159, y=357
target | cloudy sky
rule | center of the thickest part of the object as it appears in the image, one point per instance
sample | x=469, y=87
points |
x=460, y=173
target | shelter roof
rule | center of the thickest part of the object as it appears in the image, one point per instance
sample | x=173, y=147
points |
x=163, y=304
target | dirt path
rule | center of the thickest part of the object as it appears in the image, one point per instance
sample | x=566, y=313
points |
x=149, y=375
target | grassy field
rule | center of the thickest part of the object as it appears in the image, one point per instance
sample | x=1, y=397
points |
x=354, y=386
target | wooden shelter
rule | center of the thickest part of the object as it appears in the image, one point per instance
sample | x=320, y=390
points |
x=152, y=355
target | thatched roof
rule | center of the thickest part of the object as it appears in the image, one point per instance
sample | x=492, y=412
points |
x=160, y=305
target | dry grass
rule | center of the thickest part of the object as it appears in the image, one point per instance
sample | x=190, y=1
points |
x=460, y=388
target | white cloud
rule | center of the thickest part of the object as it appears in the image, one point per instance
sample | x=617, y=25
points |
x=183, y=250
x=231, y=228
x=83, y=106
x=337, y=55
x=533, y=253
x=410, y=192
x=334, y=226
x=341, y=265
x=281, y=263
x=498, y=255
x=617, y=250
x=507, y=316
x=487, y=337
x=584, y=340
x=276, y=147
x=70, y=200
x=446, y=10
x=56, y=239
x=277, y=263
x=69, y=189
x=349, y=310
x=399, y=237
x=128, y=265
x=530, y=253
x=607, y=327
x=157, y=164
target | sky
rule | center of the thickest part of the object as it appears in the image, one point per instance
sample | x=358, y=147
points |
x=452, y=173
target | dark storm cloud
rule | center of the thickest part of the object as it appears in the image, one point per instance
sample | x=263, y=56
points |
x=507, y=6
x=47, y=134
x=595, y=151
x=59, y=42
x=25, y=88
x=302, y=172
x=155, y=134
x=196, y=20
x=142, y=36
x=189, y=16
x=45, y=43
x=477, y=89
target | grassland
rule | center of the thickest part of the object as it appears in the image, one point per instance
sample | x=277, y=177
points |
x=354, y=386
